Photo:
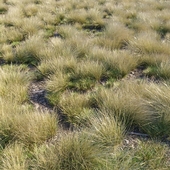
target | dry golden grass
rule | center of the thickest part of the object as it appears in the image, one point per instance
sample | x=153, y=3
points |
x=14, y=157
x=14, y=83
x=71, y=151
x=26, y=125
x=57, y=64
x=147, y=43
x=106, y=130
x=7, y=52
x=104, y=67
x=76, y=108
x=116, y=36
x=28, y=51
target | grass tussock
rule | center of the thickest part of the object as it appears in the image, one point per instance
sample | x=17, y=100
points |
x=144, y=153
x=14, y=83
x=14, y=157
x=26, y=125
x=106, y=130
x=147, y=44
x=76, y=108
x=28, y=51
x=72, y=151
x=57, y=64
x=127, y=111
x=78, y=153
x=89, y=19
x=7, y=52
x=116, y=36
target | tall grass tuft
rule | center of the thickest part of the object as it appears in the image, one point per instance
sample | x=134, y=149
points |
x=147, y=43
x=14, y=83
x=72, y=151
x=76, y=108
x=24, y=124
x=116, y=36
x=28, y=52
x=105, y=130
x=14, y=157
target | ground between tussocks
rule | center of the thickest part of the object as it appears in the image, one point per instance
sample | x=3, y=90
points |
x=37, y=94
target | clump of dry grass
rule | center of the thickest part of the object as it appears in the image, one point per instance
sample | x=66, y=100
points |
x=30, y=10
x=116, y=64
x=92, y=69
x=24, y=124
x=42, y=127
x=31, y=26
x=91, y=18
x=56, y=85
x=127, y=111
x=79, y=46
x=67, y=31
x=147, y=106
x=28, y=52
x=146, y=43
x=77, y=152
x=13, y=17
x=156, y=103
x=76, y=108
x=14, y=83
x=72, y=151
x=14, y=157
x=159, y=69
x=116, y=36
x=141, y=154
x=7, y=52
x=45, y=157
x=122, y=61
x=57, y=64
x=105, y=130
x=11, y=35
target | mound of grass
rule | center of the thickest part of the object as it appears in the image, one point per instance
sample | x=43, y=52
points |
x=115, y=36
x=142, y=156
x=14, y=83
x=76, y=108
x=71, y=152
x=14, y=157
x=28, y=52
x=26, y=125
x=105, y=130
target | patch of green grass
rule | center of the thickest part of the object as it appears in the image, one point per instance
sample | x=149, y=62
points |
x=160, y=70
x=81, y=84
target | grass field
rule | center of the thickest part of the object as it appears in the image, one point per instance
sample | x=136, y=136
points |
x=84, y=85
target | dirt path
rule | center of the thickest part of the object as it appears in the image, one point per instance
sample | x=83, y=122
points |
x=37, y=94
